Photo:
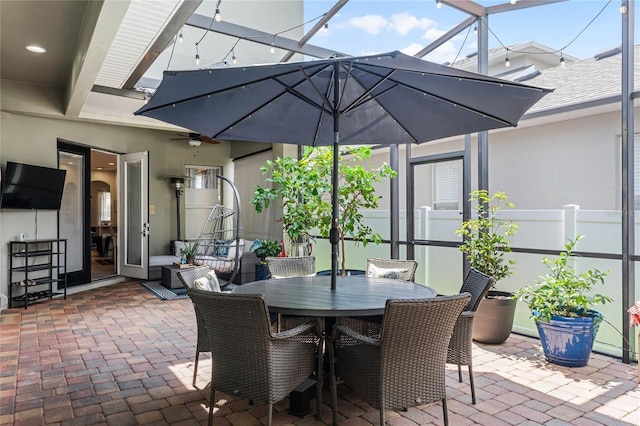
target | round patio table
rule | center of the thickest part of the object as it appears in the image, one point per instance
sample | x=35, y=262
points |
x=353, y=296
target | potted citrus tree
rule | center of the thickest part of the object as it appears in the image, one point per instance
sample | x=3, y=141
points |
x=486, y=240
x=561, y=304
x=264, y=249
x=304, y=187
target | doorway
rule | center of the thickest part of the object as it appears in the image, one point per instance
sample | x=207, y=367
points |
x=103, y=214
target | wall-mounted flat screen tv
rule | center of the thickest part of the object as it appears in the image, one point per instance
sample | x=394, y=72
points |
x=25, y=186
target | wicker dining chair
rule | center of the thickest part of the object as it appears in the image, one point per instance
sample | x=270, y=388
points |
x=404, y=270
x=285, y=267
x=248, y=359
x=187, y=277
x=289, y=267
x=460, y=350
x=405, y=366
x=400, y=269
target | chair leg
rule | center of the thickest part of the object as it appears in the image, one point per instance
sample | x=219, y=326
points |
x=211, y=401
x=334, y=385
x=195, y=369
x=270, y=413
x=381, y=416
x=473, y=388
x=445, y=412
x=319, y=381
x=459, y=373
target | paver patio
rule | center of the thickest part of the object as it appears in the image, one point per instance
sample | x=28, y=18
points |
x=119, y=356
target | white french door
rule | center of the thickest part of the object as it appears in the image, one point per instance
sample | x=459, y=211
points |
x=133, y=215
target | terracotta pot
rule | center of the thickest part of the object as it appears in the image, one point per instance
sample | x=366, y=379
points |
x=494, y=318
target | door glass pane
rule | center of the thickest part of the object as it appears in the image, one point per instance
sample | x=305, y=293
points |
x=71, y=208
x=134, y=221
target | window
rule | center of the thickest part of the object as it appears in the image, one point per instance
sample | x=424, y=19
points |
x=447, y=182
x=201, y=194
x=105, y=206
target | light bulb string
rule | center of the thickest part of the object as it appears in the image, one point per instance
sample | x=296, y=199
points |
x=554, y=51
x=273, y=36
x=462, y=44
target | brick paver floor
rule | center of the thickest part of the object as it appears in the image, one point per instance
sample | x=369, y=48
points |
x=119, y=356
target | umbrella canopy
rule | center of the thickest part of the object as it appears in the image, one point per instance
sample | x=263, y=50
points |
x=382, y=99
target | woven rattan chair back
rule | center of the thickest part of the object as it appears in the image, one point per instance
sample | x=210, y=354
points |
x=187, y=277
x=284, y=267
x=460, y=349
x=248, y=360
x=478, y=285
x=408, y=267
x=405, y=366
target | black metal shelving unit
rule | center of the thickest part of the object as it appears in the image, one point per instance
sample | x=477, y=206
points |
x=34, y=267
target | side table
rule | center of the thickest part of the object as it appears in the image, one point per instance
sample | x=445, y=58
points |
x=169, y=277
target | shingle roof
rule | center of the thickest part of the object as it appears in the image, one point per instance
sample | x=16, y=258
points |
x=581, y=81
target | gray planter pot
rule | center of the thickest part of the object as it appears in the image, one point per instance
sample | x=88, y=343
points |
x=494, y=318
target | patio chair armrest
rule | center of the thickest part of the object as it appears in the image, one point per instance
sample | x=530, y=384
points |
x=298, y=330
x=340, y=329
x=465, y=322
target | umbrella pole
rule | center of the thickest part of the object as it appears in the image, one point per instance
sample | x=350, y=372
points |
x=334, y=237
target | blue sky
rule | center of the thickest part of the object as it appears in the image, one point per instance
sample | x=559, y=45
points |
x=373, y=26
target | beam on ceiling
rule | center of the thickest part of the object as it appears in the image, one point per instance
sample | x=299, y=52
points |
x=260, y=37
x=522, y=4
x=168, y=34
x=467, y=6
x=317, y=27
x=99, y=28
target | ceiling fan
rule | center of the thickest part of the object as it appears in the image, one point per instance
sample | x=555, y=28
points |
x=195, y=139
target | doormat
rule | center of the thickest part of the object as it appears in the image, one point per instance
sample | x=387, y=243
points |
x=164, y=293
x=104, y=261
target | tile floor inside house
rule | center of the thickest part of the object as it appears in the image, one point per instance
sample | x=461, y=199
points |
x=120, y=356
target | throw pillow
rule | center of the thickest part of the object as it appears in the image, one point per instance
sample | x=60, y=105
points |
x=202, y=284
x=213, y=281
x=221, y=247
x=394, y=273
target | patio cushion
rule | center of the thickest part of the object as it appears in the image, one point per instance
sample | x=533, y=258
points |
x=202, y=284
x=213, y=280
x=394, y=273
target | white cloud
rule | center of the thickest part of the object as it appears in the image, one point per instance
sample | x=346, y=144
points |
x=370, y=23
x=433, y=34
x=403, y=23
x=412, y=49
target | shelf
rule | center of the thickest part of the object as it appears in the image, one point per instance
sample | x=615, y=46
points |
x=41, y=261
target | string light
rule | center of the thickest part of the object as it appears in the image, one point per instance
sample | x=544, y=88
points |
x=623, y=7
x=513, y=1
x=234, y=60
x=325, y=29
x=475, y=29
x=180, y=37
x=507, y=62
x=438, y=4
x=273, y=45
x=197, y=59
x=218, y=15
x=562, y=62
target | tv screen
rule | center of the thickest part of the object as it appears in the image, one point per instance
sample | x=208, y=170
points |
x=25, y=186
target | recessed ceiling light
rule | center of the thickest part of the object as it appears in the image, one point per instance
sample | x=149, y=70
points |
x=35, y=48
x=99, y=168
x=111, y=164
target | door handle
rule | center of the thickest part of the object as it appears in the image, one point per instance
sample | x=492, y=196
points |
x=145, y=230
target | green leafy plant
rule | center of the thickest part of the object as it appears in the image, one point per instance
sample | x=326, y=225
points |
x=304, y=187
x=487, y=237
x=189, y=249
x=563, y=291
x=266, y=248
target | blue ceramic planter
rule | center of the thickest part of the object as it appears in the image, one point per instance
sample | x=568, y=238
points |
x=569, y=341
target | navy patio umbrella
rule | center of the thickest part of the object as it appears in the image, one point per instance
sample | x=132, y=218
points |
x=383, y=99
